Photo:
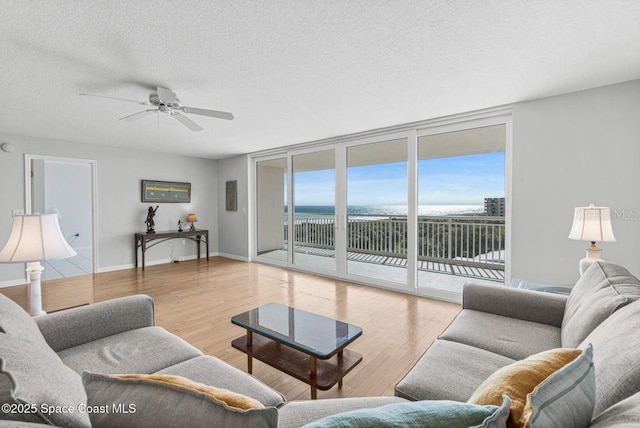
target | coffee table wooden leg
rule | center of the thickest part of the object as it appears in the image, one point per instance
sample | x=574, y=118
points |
x=340, y=355
x=314, y=378
x=249, y=352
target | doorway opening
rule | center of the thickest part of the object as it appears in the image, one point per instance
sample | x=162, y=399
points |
x=65, y=187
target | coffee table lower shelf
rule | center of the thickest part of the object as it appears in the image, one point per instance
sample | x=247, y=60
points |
x=299, y=364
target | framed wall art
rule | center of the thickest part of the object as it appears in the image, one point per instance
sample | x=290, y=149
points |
x=165, y=191
x=231, y=195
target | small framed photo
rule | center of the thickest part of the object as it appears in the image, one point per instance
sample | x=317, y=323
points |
x=165, y=191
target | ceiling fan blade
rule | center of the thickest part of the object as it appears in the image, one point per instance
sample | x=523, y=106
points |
x=187, y=122
x=167, y=96
x=210, y=113
x=144, y=103
x=139, y=115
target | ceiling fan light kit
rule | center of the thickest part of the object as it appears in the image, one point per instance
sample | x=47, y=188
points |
x=166, y=101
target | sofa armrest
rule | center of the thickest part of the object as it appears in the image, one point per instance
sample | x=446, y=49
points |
x=83, y=324
x=527, y=305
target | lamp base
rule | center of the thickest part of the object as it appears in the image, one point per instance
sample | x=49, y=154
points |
x=34, y=269
x=593, y=255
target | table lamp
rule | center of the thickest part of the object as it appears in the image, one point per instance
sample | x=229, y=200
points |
x=193, y=219
x=591, y=224
x=33, y=238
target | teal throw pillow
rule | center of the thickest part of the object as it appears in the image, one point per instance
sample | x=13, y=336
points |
x=422, y=414
x=566, y=398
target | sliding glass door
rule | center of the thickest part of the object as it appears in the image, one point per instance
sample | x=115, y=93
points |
x=314, y=202
x=421, y=210
x=377, y=210
x=272, y=235
x=461, y=211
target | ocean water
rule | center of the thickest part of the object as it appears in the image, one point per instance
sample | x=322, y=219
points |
x=386, y=210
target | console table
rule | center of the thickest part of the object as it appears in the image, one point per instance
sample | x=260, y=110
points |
x=141, y=240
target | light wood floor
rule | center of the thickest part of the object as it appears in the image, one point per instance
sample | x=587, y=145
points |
x=196, y=299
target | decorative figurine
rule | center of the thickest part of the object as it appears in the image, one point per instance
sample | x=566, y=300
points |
x=149, y=221
x=179, y=225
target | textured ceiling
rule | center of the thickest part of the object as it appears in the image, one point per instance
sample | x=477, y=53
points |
x=294, y=71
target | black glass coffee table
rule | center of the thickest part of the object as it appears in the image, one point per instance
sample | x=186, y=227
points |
x=309, y=347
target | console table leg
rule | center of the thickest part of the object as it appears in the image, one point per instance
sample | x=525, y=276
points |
x=340, y=355
x=143, y=250
x=249, y=352
x=314, y=378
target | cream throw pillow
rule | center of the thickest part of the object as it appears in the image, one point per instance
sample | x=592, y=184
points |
x=229, y=398
x=166, y=401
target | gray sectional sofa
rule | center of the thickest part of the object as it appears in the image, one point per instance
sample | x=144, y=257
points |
x=499, y=325
x=42, y=358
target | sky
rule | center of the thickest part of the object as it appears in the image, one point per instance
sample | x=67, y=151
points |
x=460, y=180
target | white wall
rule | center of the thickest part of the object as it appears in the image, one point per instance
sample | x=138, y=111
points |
x=233, y=226
x=120, y=212
x=569, y=151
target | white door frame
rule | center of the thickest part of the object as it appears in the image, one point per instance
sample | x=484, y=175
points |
x=94, y=193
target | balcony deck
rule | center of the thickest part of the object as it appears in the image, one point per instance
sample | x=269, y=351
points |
x=484, y=273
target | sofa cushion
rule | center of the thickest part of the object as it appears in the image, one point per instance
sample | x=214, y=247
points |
x=152, y=403
x=449, y=371
x=600, y=291
x=615, y=356
x=519, y=379
x=38, y=379
x=564, y=399
x=16, y=322
x=211, y=371
x=86, y=323
x=294, y=414
x=506, y=336
x=625, y=414
x=421, y=414
x=145, y=350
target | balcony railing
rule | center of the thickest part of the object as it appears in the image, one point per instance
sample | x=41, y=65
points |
x=477, y=241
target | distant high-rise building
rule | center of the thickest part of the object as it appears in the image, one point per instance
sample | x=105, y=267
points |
x=494, y=206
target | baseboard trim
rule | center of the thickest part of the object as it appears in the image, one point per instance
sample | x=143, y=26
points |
x=234, y=257
x=159, y=262
x=114, y=268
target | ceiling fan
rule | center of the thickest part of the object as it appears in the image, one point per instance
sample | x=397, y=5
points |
x=166, y=101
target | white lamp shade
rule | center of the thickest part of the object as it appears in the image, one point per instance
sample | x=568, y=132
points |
x=35, y=237
x=592, y=224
